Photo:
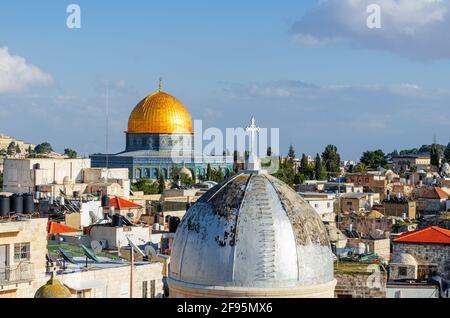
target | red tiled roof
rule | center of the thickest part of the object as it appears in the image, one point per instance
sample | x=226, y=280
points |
x=120, y=203
x=58, y=228
x=434, y=193
x=429, y=235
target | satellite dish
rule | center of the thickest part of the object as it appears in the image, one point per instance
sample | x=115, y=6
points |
x=135, y=247
x=150, y=251
x=96, y=247
x=66, y=256
x=89, y=254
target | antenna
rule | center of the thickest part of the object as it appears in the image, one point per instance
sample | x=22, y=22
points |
x=107, y=128
x=150, y=252
x=96, y=247
x=89, y=254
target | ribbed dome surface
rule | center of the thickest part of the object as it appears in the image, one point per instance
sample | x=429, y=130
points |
x=53, y=289
x=251, y=231
x=160, y=113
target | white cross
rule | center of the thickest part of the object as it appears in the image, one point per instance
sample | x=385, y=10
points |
x=254, y=163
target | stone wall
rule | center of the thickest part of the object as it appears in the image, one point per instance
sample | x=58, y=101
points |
x=438, y=254
x=361, y=285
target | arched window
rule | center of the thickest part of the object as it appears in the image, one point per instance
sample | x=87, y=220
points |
x=138, y=173
x=155, y=173
x=147, y=173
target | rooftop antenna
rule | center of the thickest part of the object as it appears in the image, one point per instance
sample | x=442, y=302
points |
x=107, y=127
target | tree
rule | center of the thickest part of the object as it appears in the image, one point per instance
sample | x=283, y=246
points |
x=435, y=154
x=208, y=172
x=18, y=150
x=146, y=185
x=374, y=159
x=161, y=183
x=331, y=159
x=360, y=168
x=413, y=169
x=304, y=169
x=447, y=153
x=291, y=152
x=43, y=149
x=1, y=181
x=11, y=150
x=2, y=152
x=72, y=154
x=30, y=152
x=320, y=172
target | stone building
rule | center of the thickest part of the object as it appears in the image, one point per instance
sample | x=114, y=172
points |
x=23, y=246
x=359, y=280
x=371, y=182
x=51, y=176
x=431, y=200
x=402, y=208
x=421, y=254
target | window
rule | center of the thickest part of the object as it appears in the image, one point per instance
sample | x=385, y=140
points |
x=328, y=205
x=349, y=203
x=145, y=289
x=402, y=271
x=22, y=252
x=316, y=205
x=152, y=289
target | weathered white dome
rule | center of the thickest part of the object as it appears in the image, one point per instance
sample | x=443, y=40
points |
x=251, y=231
x=405, y=259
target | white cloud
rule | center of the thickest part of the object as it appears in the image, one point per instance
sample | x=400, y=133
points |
x=414, y=28
x=17, y=75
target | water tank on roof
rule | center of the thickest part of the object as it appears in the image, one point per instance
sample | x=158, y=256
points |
x=105, y=201
x=4, y=206
x=28, y=203
x=117, y=220
x=173, y=224
x=16, y=205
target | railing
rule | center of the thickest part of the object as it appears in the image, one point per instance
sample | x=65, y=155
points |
x=22, y=272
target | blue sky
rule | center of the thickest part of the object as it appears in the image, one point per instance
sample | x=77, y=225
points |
x=313, y=70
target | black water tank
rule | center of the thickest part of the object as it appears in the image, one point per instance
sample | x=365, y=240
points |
x=117, y=220
x=4, y=206
x=173, y=224
x=28, y=203
x=105, y=201
x=16, y=203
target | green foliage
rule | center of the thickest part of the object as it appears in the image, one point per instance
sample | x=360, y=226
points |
x=447, y=153
x=360, y=168
x=305, y=171
x=2, y=152
x=11, y=150
x=186, y=180
x=286, y=172
x=43, y=149
x=146, y=185
x=291, y=152
x=436, y=155
x=1, y=181
x=18, y=150
x=72, y=154
x=374, y=159
x=161, y=183
x=320, y=172
x=332, y=160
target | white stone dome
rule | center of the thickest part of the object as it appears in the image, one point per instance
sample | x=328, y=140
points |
x=405, y=259
x=252, y=231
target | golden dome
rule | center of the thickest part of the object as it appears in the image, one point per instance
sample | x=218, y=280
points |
x=53, y=289
x=160, y=113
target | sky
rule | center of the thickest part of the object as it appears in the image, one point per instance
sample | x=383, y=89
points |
x=311, y=68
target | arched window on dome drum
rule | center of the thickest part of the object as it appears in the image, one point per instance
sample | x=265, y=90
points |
x=155, y=173
x=165, y=173
x=147, y=173
x=138, y=174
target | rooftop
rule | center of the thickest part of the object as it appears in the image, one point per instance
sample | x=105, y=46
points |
x=429, y=235
x=120, y=203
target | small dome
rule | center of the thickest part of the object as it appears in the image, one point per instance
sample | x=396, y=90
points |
x=53, y=289
x=160, y=113
x=252, y=231
x=405, y=259
x=186, y=171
